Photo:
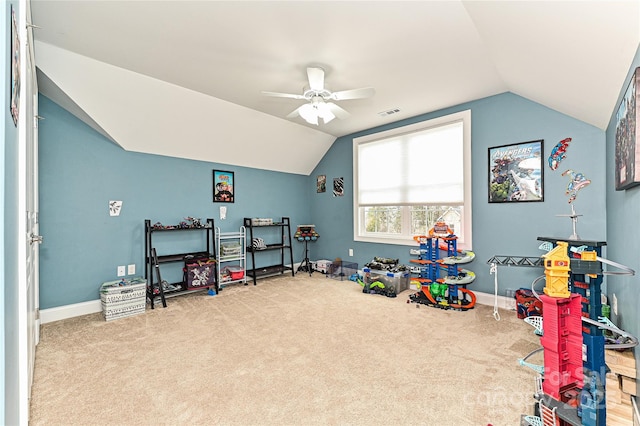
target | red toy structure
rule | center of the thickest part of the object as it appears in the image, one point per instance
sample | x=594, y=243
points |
x=562, y=342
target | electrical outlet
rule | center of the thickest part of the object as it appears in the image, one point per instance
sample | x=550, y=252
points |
x=131, y=269
x=121, y=271
x=614, y=304
x=350, y=252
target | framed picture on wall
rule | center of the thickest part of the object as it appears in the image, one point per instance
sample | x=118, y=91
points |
x=627, y=155
x=223, y=187
x=321, y=183
x=338, y=187
x=516, y=173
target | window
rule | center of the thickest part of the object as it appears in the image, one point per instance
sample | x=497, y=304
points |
x=408, y=178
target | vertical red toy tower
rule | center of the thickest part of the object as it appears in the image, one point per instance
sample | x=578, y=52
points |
x=562, y=342
x=562, y=339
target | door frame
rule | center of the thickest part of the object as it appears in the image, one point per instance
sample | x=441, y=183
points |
x=28, y=249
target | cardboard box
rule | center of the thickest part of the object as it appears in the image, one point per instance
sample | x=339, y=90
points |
x=622, y=363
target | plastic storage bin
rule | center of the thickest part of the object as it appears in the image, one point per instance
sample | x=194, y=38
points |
x=342, y=270
x=232, y=273
x=399, y=280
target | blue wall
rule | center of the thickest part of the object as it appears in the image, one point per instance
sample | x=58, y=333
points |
x=622, y=232
x=9, y=350
x=498, y=229
x=81, y=171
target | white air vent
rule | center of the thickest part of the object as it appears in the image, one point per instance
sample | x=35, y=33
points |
x=388, y=112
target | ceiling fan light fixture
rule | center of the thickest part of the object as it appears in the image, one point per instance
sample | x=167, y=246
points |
x=318, y=96
x=316, y=109
x=309, y=113
x=325, y=112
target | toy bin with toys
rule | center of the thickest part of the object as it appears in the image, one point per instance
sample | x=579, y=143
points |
x=232, y=273
x=123, y=298
x=399, y=281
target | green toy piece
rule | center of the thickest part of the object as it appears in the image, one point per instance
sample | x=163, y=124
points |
x=438, y=290
x=376, y=284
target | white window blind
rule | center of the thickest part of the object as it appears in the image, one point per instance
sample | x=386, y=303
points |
x=423, y=167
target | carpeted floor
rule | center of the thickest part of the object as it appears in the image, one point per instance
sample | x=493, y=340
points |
x=289, y=351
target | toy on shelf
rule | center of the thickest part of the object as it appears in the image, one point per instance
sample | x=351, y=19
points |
x=449, y=291
x=188, y=223
x=385, y=264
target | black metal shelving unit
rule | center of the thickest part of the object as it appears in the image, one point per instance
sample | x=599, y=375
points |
x=153, y=260
x=283, y=245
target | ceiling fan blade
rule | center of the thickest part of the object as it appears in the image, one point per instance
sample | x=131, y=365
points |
x=337, y=111
x=316, y=79
x=283, y=95
x=295, y=113
x=365, y=92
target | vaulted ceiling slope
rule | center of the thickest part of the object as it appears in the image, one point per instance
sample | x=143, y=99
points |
x=184, y=78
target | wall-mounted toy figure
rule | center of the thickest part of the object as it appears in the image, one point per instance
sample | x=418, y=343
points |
x=558, y=153
x=576, y=183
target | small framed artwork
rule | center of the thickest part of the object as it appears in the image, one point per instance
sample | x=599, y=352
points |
x=627, y=155
x=516, y=173
x=223, y=187
x=338, y=187
x=321, y=183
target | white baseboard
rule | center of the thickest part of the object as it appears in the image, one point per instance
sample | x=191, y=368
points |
x=95, y=306
x=70, y=311
x=490, y=299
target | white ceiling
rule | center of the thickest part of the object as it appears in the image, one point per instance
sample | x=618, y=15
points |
x=420, y=56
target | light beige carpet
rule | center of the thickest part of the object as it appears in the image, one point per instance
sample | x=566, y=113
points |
x=289, y=351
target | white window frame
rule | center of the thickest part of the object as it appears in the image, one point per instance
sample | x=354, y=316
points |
x=465, y=234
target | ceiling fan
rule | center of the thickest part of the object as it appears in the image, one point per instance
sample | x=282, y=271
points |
x=319, y=97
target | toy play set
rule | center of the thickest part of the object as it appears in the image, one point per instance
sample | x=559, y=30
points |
x=448, y=291
x=571, y=385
